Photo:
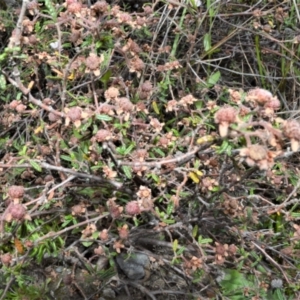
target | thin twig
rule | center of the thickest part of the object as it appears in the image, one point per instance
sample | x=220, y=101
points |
x=7, y=287
x=56, y=234
x=44, y=165
x=70, y=178
x=271, y=260
x=141, y=288
x=179, y=159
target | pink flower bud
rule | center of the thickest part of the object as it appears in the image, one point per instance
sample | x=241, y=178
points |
x=132, y=208
x=224, y=117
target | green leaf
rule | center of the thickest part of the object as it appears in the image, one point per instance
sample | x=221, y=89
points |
x=127, y=171
x=51, y=9
x=155, y=107
x=234, y=284
x=93, y=237
x=199, y=104
x=2, y=82
x=103, y=117
x=3, y=56
x=37, y=26
x=23, y=151
x=207, y=41
x=105, y=78
x=12, y=50
x=295, y=215
x=168, y=221
x=175, y=245
x=65, y=157
x=68, y=219
x=277, y=295
x=214, y=78
x=86, y=125
x=154, y=177
x=180, y=251
x=195, y=231
x=125, y=151
x=129, y=149
x=202, y=241
x=87, y=244
x=159, y=151
x=193, y=3
x=170, y=208
x=223, y=147
x=63, y=145
x=35, y=165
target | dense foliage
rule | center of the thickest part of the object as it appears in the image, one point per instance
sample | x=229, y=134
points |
x=164, y=134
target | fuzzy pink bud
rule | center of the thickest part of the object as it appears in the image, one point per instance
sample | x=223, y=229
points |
x=133, y=208
x=292, y=131
x=74, y=113
x=224, y=117
x=6, y=259
x=274, y=104
x=257, y=152
x=103, y=135
x=17, y=212
x=261, y=96
x=16, y=191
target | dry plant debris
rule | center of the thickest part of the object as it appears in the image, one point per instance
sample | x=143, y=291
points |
x=149, y=150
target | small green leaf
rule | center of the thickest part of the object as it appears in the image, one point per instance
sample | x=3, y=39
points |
x=129, y=149
x=199, y=104
x=92, y=238
x=35, y=165
x=87, y=244
x=127, y=171
x=51, y=9
x=37, y=26
x=2, y=82
x=202, y=241
x=180, y=251
x=175, y=245
x=12, y=50
x=65, y=157
x=223, y=147
x=278, y=295
x=65, y=223
x=23, y=151
x=86, y=125
x=105, y=78
x=68, y=219
x=159, y=151
x=121, y=149
x=207, y=41
x=168, y=221
x=103, y=117
x=3, y=56
x=195, y=231
x=40, y=255
x=214, y=78
x=155, y=107
x=170, y=207
x=295, y=215
x=154, y=177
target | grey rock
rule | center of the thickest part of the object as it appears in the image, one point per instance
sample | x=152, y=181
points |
x=133, y=265
x=108, y=293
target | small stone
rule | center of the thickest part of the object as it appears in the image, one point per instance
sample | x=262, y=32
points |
x=134, y=265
